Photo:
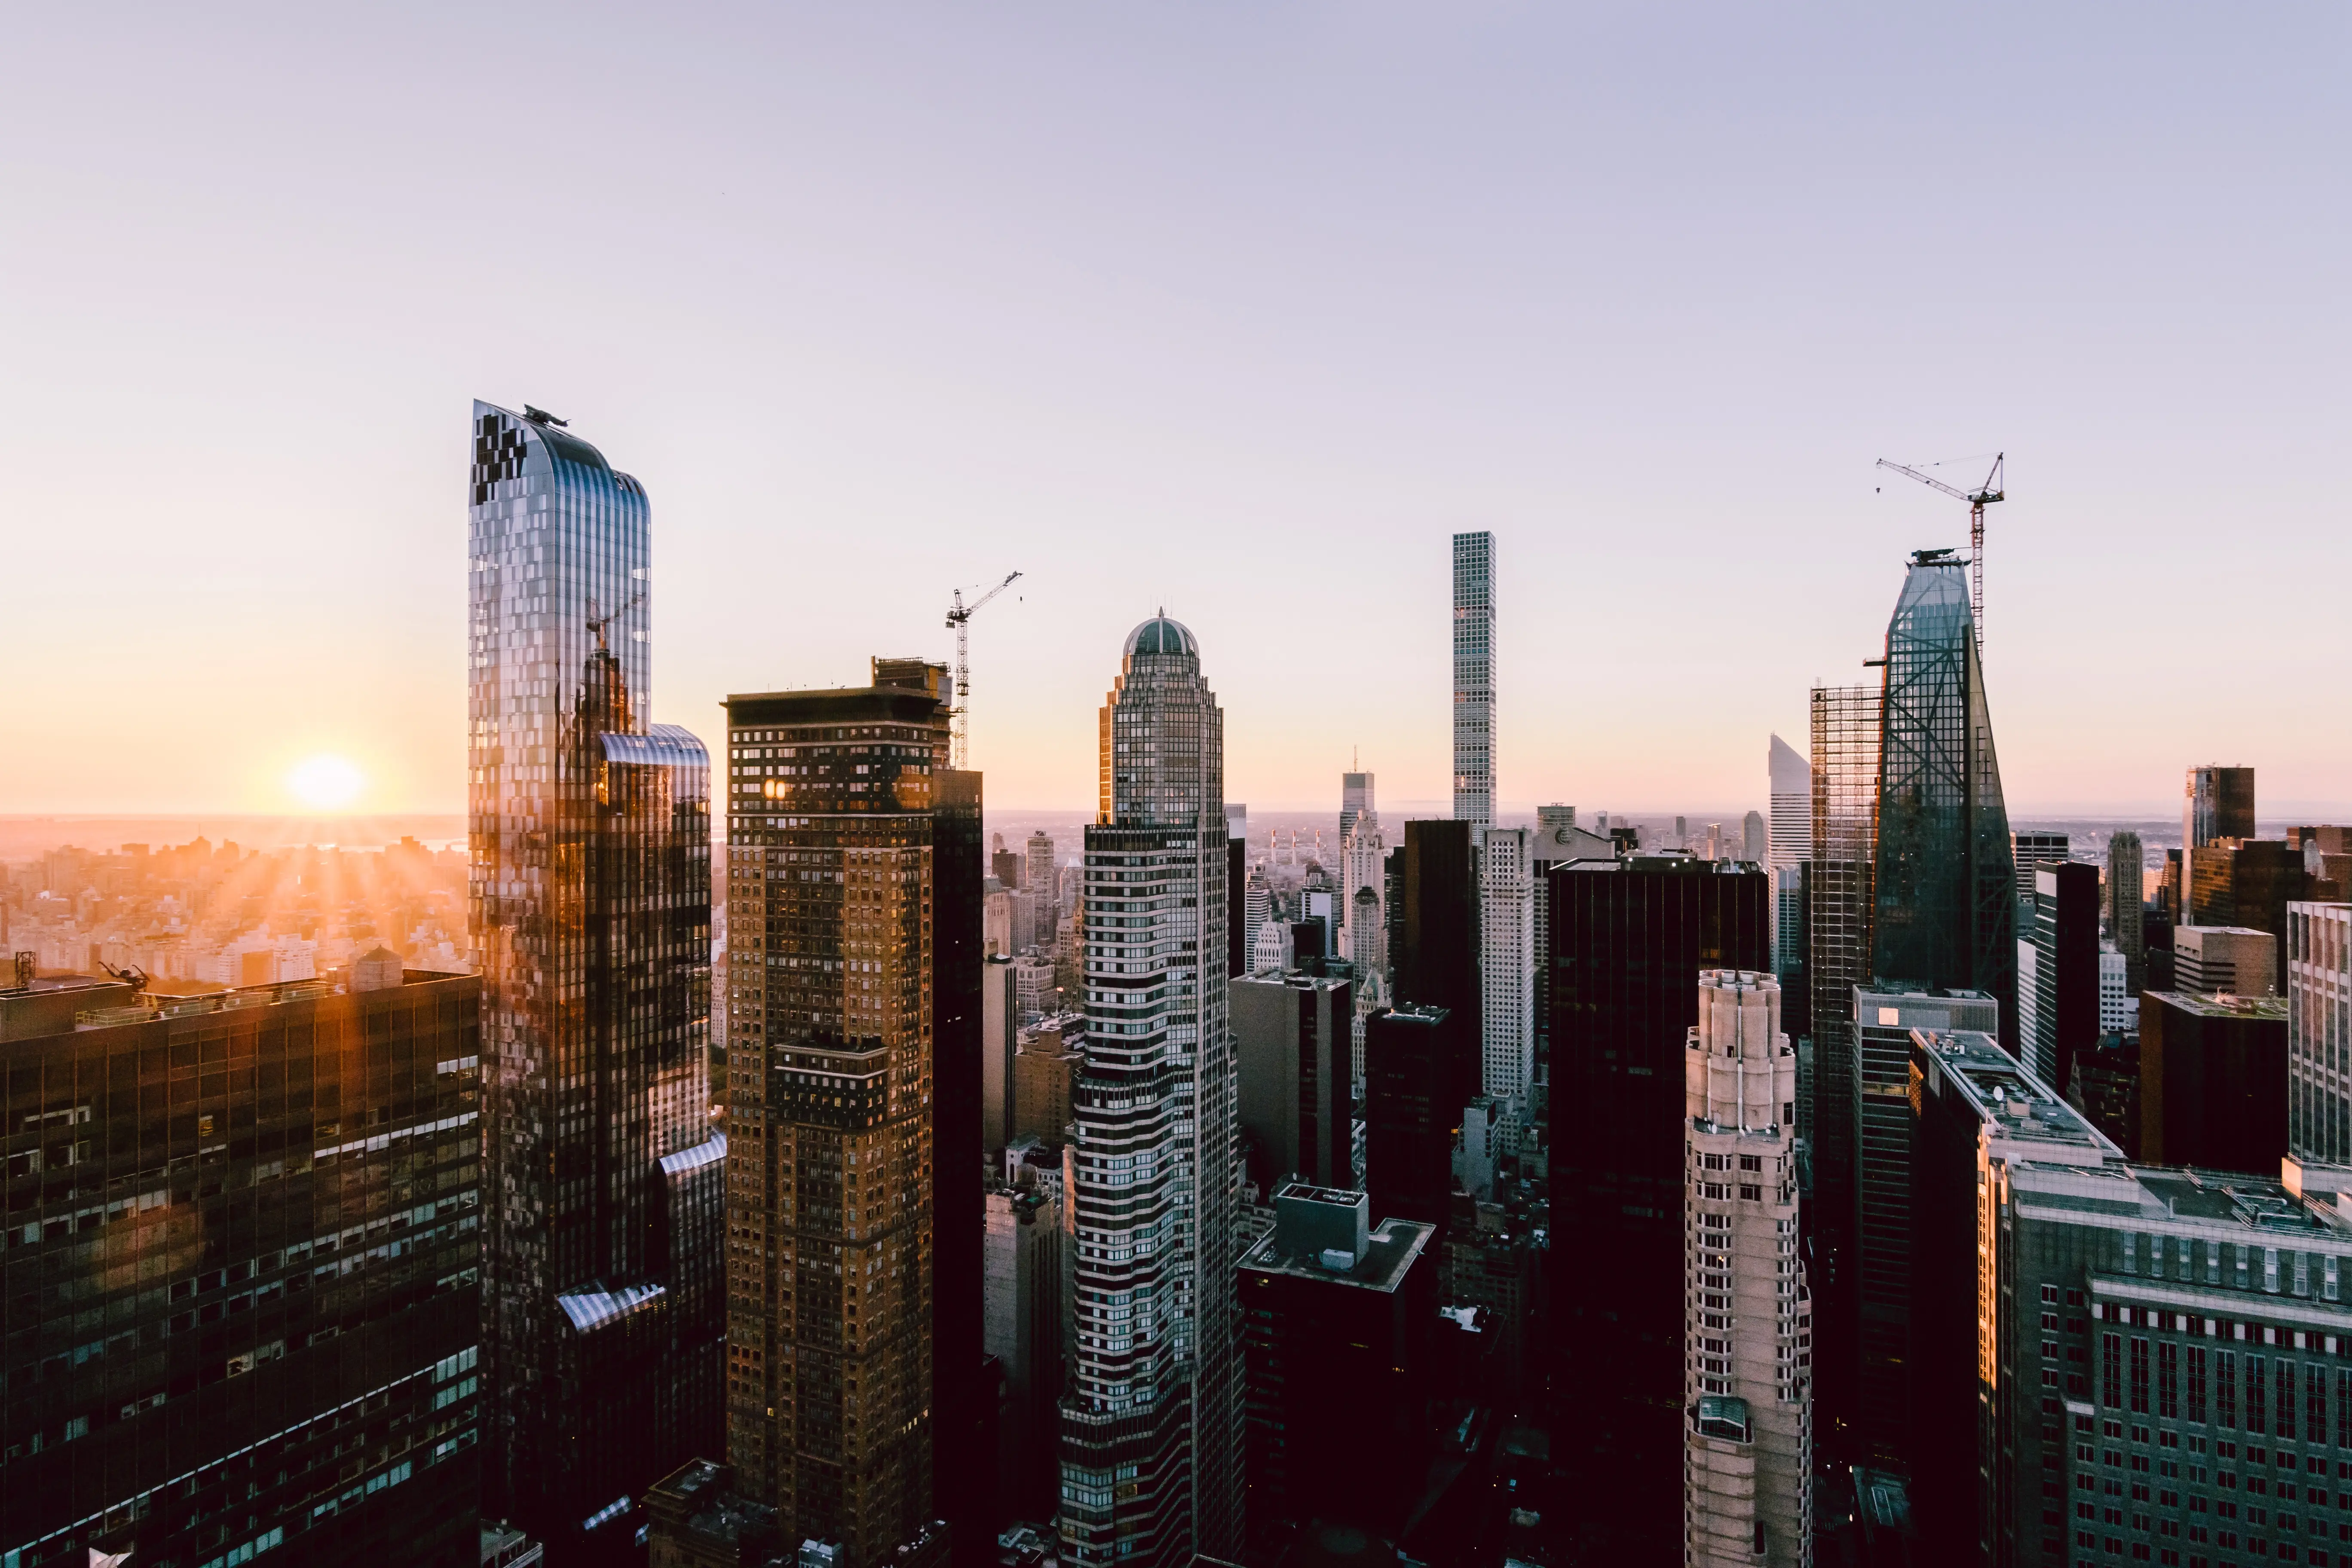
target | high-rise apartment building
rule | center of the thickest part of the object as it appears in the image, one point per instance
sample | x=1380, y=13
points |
x=2117, y=1363
x=590, y=910
x=242, y=1247
x=1506, y=965
x=1629, y=939
x=2058, y=970
x=1336, y=1315
x=1152, y=1417
x=2217, y=804
x=1037, y=866
x=1875, y=1278
x=2127, y=894
x=2319, y=1031
x=1295, y=1060
x=1945, y=889
x=1474, y=680
x=831, y=1408
x=1746, y=1313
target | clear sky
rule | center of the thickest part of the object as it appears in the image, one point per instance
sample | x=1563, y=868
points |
x=1237, y=309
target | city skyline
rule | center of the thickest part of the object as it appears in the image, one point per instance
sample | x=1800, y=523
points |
x=1329, y=316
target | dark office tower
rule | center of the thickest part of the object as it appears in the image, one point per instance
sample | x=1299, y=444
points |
x=1878, y=1276
x=2217, y=802
x=1293, y=1049
x=832, y=841
x=1238, y=933
x=1436, y=961
x=959, y=1154
x=1335, y=1316
x=2126, y=897
x=2058, y=971
x=591, y=911
x=1945, y=888
x=1474, y=680
x=1151, y=1413
x=2213, y=1081
x=242, y=1246
x=1414, y=1097
x=1629, y=939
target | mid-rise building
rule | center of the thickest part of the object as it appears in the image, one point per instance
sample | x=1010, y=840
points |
x=2213, y=1081
x=2236, y=961
x=1876, y=1278
x=1293, y=1050
x=1045, y=1080
x=2118, y=1003
x=2217, y=804
x=243, y=1250
x=2319, y=1031
x=2058, y=968
x=831, y=1213
x=1746, y=1313
x=1506, y=966
x=1151, y=1415
x=1474, y=680
x=1629, y=939
x=2126, y=896
x=1944, y=887
x=1335, y=1316
x=1022, y=1268
x=2117, y=1362
x=590, y=830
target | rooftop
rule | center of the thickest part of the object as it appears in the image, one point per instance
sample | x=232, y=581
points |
x=2222, y=1003
x=1395, y=1243
x=2026, y=1114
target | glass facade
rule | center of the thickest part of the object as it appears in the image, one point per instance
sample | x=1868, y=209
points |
x=1151, y=1422
x=833, y=798
x=1945, y=885
x=591, y=913
x=241, y=1279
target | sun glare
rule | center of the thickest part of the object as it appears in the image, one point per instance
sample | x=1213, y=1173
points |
x=325, y=784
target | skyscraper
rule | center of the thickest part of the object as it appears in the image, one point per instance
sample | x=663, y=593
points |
x=2217, y=802
x=589, y=908
x=1037, y=870
x=1151, y=1420
x=1363, y=853
x=1414, y=1100
x=1294, y=1061
x=1945, y=889
x=1789, y=845
x=1629, y=940
x=1506, y=963
x=1355, y=800
x=1747, y=1313
x=2126, y=897
x=1474, y=680
x=832, y=1408
x=2028, y=851
x=2062, y=945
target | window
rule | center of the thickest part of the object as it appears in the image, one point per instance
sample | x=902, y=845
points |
x=2111, y=1369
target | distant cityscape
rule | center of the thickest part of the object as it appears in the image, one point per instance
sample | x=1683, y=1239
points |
x=759, y=1150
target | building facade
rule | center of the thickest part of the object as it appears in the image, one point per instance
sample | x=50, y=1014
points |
x=1151, y=1415
x=2214, y=1081
x=1295, y=1059
x=1363, y=853
x=1474, y=680
x=2217, y=804
x=1022, y=1268
x=1945, y=890
x=831, y=1213
x=2126, y=897
x=590, y=913
x=2059, y=1011
x=2235, y=960
x=2319, y=1031
x=1746, y=1313
x=1839, y=910
x=243, y=1261
x=1506, y=967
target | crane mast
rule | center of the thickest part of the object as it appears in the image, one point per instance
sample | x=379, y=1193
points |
x=1977, y=499
x=960, y=621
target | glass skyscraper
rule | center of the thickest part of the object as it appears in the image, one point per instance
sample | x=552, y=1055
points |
x=1151, y=1419
x=603, y=1288
x=1945, y=882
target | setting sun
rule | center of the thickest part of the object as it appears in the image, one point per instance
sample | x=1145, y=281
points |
x=325, y=784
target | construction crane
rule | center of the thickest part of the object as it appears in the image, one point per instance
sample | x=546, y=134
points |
x=1984, y=495
x=959, y=616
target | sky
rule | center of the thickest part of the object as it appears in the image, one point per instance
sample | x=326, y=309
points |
x=1237, y=310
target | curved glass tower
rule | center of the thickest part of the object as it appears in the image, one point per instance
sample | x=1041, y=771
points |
x=1152, y=1419
x=604, y=1297
x=1945, y=907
